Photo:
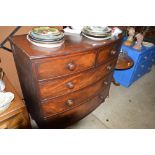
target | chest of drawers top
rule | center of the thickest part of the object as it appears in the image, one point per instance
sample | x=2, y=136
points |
x=73, y=44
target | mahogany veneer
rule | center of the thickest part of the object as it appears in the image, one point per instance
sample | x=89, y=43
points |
x=63, y=85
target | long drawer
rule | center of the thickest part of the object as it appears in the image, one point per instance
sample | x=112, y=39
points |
x=71, y=100
x=62, y=86
x=76, y=113
x=54, y=67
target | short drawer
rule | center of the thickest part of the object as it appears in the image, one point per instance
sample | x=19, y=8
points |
x=54, y=67
x=108, y=52
x=71, y=100
x=62, y=86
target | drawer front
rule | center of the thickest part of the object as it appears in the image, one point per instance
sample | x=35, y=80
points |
x=108, y=52
x=53, y=67
x=20, y=120
x=62, y=86
x=71, y=100
x=76, y=113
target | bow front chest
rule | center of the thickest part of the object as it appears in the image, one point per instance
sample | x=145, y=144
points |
x=63, y=85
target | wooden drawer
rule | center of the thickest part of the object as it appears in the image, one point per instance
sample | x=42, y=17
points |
x=62, y=86
x=108, y=52
x=74, y=99
x=53, y=67
x=17, y=121
x=74, y=114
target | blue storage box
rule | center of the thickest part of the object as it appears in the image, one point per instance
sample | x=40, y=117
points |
x=143, y=61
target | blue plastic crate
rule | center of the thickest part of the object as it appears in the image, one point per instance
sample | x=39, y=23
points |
x=142, y=64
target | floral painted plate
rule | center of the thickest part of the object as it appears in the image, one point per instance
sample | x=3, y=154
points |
x=45, y=30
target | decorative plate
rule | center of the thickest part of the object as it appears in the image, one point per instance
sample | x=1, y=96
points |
x=46, y=37
x=45, y=30
x=45, y=41
x=147, y=44
x=95, y=38
x=97, y=29
x=96, y=34
x=46, y=45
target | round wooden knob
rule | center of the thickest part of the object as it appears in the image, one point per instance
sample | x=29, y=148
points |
x=71, y=66
x=70, y=85
x=113, y=52
x=105, y=83
x=109, y=67
x=70, y=102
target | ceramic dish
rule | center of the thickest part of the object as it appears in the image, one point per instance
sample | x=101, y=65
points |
x=94, y=38
x=147, y=44
x=46, y=45
x=102, y=34
x=96, y=35
x=46, y=37
x=45, y=41
x=97, y=29
x=5, y=100
x=45, y=30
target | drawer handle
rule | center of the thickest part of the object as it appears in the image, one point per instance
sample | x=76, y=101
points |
x=109, y=67
x=70, y=85
x=71, y=66
x=113, y=52
x=70, y=102
x=105, y=83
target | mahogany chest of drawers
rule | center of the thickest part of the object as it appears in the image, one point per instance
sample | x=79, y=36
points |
x=62, y=85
